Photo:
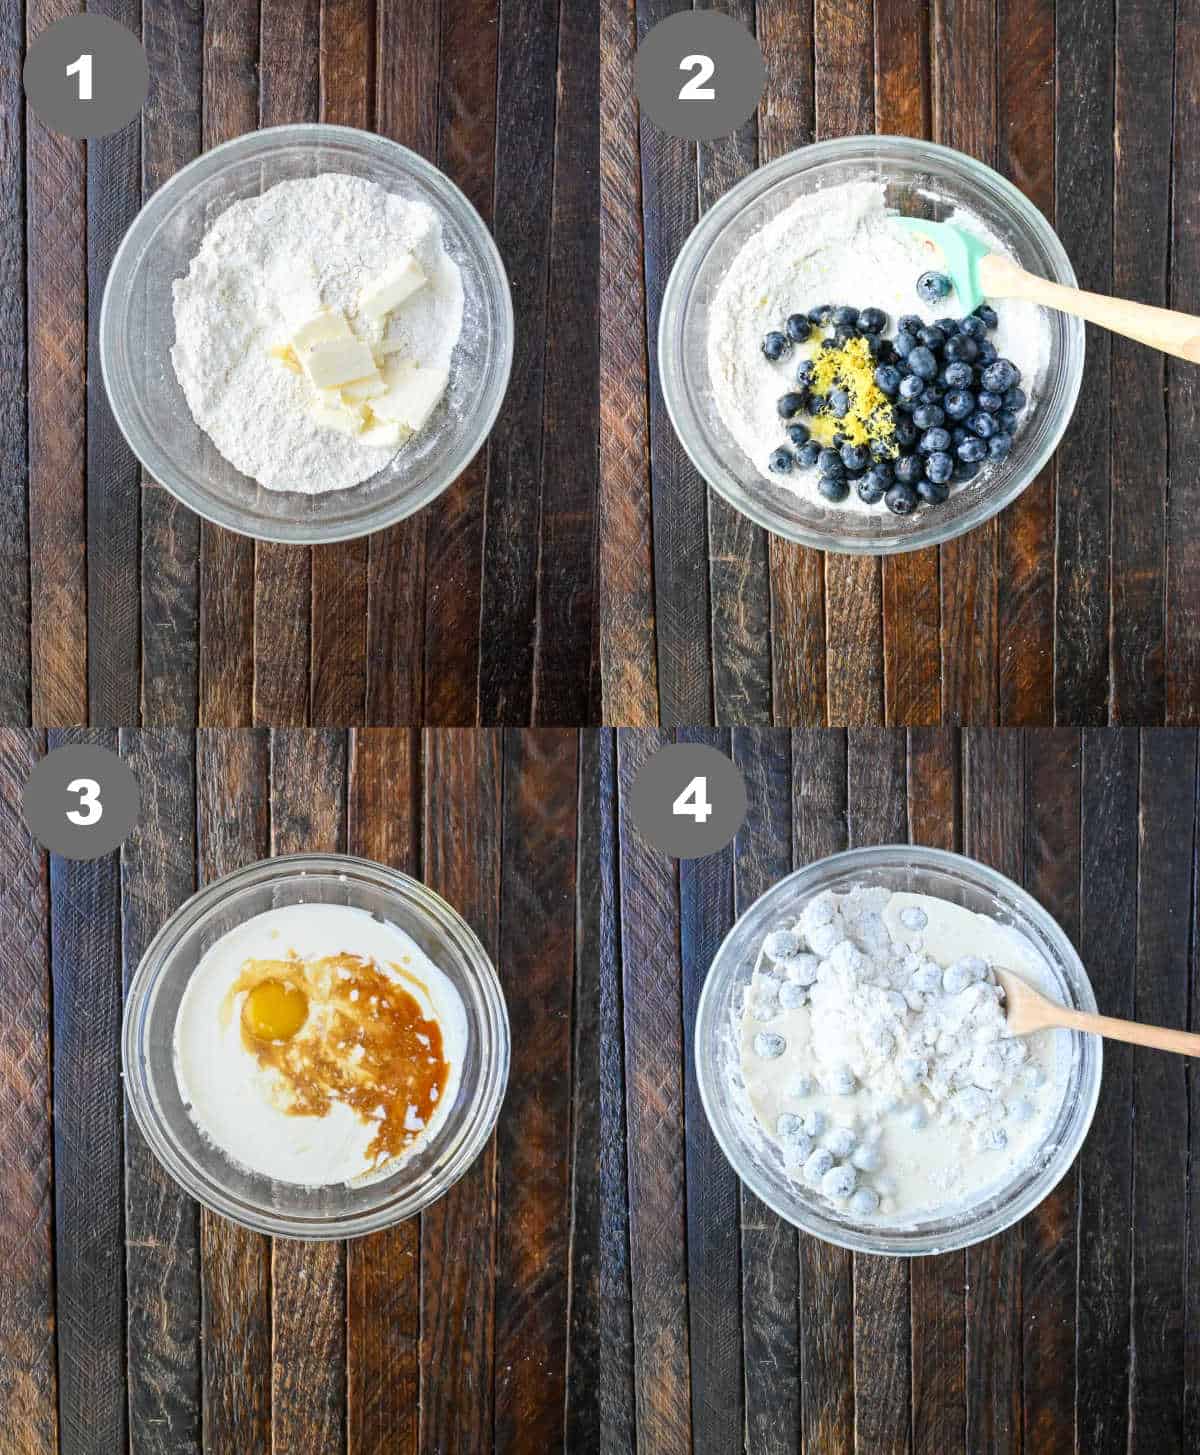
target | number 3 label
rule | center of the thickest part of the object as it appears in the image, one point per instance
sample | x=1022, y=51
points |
x=90, y=808
x=693, y=801
x=83, y=69
x=695, y=89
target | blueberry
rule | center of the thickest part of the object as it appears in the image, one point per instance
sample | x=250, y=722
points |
x=798, y=328
x=966, y=470
x=775, y=345
x=808, y=454
x=913, y=1070
x=841, y=1082
x=1014, y=399
x=911, y=387
x=887, y=378
x=844, y=314
x=839, y=402
x=901, y=500
x=934, y=440
x=987, y=313
x=908, y=469
x=927, y=977
x=844, y=332
x=789, y=404
x=804, y=373
x=1020, y=1110
x=999, y=446
x=933, y=287
x=938, y=468
x=802, y=1086
x=820, y=314
x=958, y=403
x=1007, y=420
x=872, y=320
x=817, y=1166
x=990, y=403
x=905, y=433
x=875, y=344
x=929, y=416
x=788, y=1124
x=829, y=343
x=834, y=488
x=839, y=1182
x=798, y=434
x=781, y=462
x=792, y=996
x=971, y=451
x=949, y=326
x=816, y=404
x=864, y=1202
x=957, y=375
x=803, y=969
x=992, y=1139
x=875, y=484
x=768, y=1045
x=866, y=1157
x=841, y=1141
x=983, y=425
x=903, y=344
x=855, y=457
x=922, y=362
x=1001, y=376
x=910, y=323
x=934, y=492
x=961, y=348
x=932, y=337
x=987, y=354
x=829, y=462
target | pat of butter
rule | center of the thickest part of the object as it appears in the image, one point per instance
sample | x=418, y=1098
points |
x=412, y=393
x=334, y=362
x=383, y=435
x=322, y=327
x=392, y=287
x=365, y=388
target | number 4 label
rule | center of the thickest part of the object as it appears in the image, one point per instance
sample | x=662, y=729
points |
x=693, y=801
x=83, y=69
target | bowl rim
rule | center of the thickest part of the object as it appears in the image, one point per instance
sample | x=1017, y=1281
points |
x=712, y=223
x=852, y=1239
x=148, y=973
x=311, y=133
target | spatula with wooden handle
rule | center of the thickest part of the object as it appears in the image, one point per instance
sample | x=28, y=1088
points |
x=1028, y=1010
x=978, y=273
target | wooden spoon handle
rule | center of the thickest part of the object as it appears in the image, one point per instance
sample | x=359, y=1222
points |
x=1185, y=1043
x=1159, y=328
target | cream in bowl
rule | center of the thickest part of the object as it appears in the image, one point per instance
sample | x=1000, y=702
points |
x=317, y=1044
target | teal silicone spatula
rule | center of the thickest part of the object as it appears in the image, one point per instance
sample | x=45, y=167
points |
x=977, y=273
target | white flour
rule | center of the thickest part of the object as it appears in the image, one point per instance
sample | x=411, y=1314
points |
x=877, y=1058
x=838, y=247
x=268, y=263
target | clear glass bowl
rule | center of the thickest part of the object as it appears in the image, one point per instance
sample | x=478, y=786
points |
x=921, y=180
x=137, y=330
x=918, y=871
x=281, y=1208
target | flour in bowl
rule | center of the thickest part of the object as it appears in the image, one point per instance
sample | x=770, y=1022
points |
x=314, y=330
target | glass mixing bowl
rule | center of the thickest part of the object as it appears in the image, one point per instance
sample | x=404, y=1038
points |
x=918, y=871
x=282, y=1208
x=137, y=330
x=921, y=179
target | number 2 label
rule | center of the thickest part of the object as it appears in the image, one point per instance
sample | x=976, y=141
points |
x=693, y=801
x=695, y=89
x=83, y=69
x=90, y=808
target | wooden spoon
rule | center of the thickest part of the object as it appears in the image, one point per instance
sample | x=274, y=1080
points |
x=1028, y=1010
x=978, y=273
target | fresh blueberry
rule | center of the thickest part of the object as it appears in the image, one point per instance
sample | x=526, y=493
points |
x=768, y=1045
x=1014, y=399
x=957, y=375
x=983, y=424
x=932, y=337
x=808, y=454
x=886, y=352
x=905, y=433
x=961, y=349
x=1007, y=420
x=817, y=1166
x=987, y=313
x=911, y=387
x=783, y=944
x=841, y=1141
x=876, y=483
x=841, y=1082
x=910, y=323
x=908, y=469
x=805, y=370
x=855, y=457
x=922, y=362
x=934, y=492
x=973, y=326
x=966, y=470
x=844, y=332
x=803, y=969
x=913, y=1070
x=829, y=344
x=792, y=996
x=939, y=467
x=987, y=354
x=798, y=328
x=933, y=287
x=829, y=462
x=949, y=326
x=927, y=977
x=933, y=441
x=803, y=1086
x=999, y=446
x=872, y=320
x=775, y=345
x=816, y=404
x=866, y=1157
x=929, y=416
x=839, y=1182
x=887, y=378
x=990, y=403
x=839, y=402
x=843, y=313
x=820, y=314
x=864, y=1202
x=781, y=462
x=798, y=434
x=971, y=451
x=903, y=344
x=901, y=500
x=789, y=404
x=958, y=403
x=834, y=488
x=788, y=1124
x=1001, y=376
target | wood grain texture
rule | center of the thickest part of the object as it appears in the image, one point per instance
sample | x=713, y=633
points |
x=162, y=1224
x=308, y=1280
x=28, y=1369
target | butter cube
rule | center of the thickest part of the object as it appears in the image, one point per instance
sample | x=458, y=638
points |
x=336, y=416
x=322, y=327
x=412, y=393
x=365, y=388
x=334, y=362
x=383, y=435
x=392, y=287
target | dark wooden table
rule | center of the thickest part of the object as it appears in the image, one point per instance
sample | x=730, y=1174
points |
x=1073, y=1332
x=119, y=606
x=130, y=1319
x=1080, y=604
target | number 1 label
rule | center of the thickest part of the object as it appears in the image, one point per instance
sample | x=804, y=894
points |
x=83, y=69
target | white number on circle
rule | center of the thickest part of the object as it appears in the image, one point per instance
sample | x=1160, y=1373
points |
x=695, y=89
x=693, y=801
x=90, y=808
x=83, y=69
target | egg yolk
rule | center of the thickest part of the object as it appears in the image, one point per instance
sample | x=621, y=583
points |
x=274, y=1011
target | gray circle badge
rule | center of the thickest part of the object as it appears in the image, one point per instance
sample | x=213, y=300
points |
x=86, y=76
x=699, y=74
x=81, y=801
x=687, y=800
